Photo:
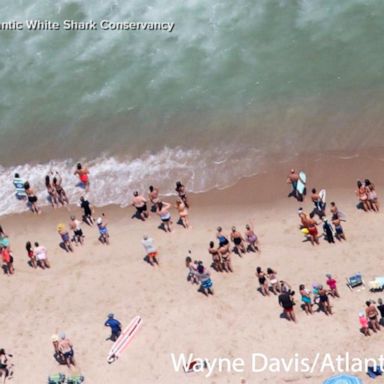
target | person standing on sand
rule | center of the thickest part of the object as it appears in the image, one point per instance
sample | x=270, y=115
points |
x=103, y=230
x=40, y=253
x=83, y=174
x=87, y=210
x=292, y=179
x=328, y=232
x=153, y=196
x=52, y=193
x=380, y=307
x=216, y=257
x=286, y=301
x=364, y=324
x=372, y=314
x=319, y=209
x=75, y=226
x=165, y=216
x=263, y=281
x=65, y=238
x=183, y=213
x=66, y=349
x=7, y=258
x=373, y=200
x=6, y=366
x=31, y=254
x=361, y=193
x=192, y=270
x=340, y=235
x=32, y=198
x=251, y=239
x=312, y=231
x=324, y=303
x=272, y=276
x=115, y=326
x=181, y=191
x=204, y=277
x=140, y=203
x=306, y=299
x=18, y=183
x=238, y=241
x=150, y=250
x=331, y=282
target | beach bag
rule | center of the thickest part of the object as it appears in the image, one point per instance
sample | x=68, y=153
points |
x=75, y=379
x=58, y=378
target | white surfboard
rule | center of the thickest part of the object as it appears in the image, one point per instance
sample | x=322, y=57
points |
x=124, y=339
x=323, y=195
x=301, y=182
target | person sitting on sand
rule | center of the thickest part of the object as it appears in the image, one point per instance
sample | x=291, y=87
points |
x=57, y=184
x=361, y=193
x=66, y=348
x=165, y=216
x=238, y=241
x=272, y=276
x=292, y=179
x=150, y=250
x=18, y=183
x=204, y=278
x=40, y=253
x=216, y=257
x=65, y=238
x=52, y=193
x=32, y=198
x=251, y=239
x=140, y=203
x=115, y=326
x=306, y=299
x=75, y=226
x=7, y=259
x=263, y=281
x=31, y=254
x=373, y=200
x=182, y=193
x=87, y=210
x=324, y=303
x=286, y=301
x=364, y=324
x=372, y=313
x=102, y=226
x=340, y=235
x=183, y=213
x=6, y=366
x=332, y=284
x=153, y=196
x=83, y=174
x=192, y=270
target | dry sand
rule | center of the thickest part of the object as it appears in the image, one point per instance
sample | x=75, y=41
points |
x=80, y=289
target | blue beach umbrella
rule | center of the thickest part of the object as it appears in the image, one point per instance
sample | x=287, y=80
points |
x=343, y=379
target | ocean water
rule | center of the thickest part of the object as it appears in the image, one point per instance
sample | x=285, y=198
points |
x=232, y=85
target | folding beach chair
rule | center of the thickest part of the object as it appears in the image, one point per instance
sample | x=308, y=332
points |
x=58, y=378
x=376, y=285
x=355, y=281
x=78, y=379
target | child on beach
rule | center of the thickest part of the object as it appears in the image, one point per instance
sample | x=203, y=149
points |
x=64, y=235
x=87, y=211
x=364, y=324
x=150, y=250
x=31, y=255
x=216, y=257
x=263, y=281
x=103, y=230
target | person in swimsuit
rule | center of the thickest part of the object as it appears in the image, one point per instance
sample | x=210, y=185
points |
x=223, y=240
x=180, y=189
x=153, y=196
x=373, y=315
x=364, y=324
x=251, y=239
x=287, y=302
x=57, y=184
x=87, y=210
x=332, y=284
x=140, y=203
x=192, y=270
x=40, y=253
x=150, y=250
x=183, y=213
x=83, y=174
x=312, y=231
x=31, y=255
x=52, y=193
x=272, y=276
x=75, y=226
x=115, y=326
x=328, y=231
x=165, y=216
x=204, y=277
x=319, y=209
x=32, y=198
x=263, y=281
x=216, y=257
x=238, y=240
x=361, y=193
x=225, y=255
x=373, y=200
x=340, y=235
x=6, y=366
x=306, y=299
x=64, y=235
x=292, y=179
x=380, y=307
x=324, y=303
x=66, y=349
x=103, y=230
x=7, y=258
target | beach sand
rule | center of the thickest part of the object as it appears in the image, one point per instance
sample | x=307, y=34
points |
x=81, y=288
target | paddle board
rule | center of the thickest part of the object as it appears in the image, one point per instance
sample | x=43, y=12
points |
x=323, y=195
x=124, y=339
x=301, y=183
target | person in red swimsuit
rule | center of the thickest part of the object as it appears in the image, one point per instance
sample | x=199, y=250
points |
x=83, y=174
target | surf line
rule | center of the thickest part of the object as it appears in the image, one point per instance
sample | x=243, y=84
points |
x=109, y=25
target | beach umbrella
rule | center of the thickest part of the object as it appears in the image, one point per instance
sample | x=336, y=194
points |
x=343, y=379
